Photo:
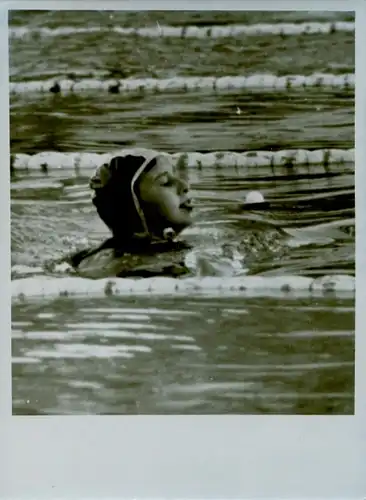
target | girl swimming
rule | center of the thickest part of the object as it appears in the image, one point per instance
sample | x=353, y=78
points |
x=146, y=206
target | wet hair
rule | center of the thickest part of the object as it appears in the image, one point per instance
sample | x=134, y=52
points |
x=113, y=200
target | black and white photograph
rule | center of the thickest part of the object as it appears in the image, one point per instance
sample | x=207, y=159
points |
x=182, y=212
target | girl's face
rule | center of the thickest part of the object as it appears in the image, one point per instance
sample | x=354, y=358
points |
x=165, y=196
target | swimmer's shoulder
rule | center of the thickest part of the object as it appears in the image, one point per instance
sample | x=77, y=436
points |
x=96, y=262
x=129, y=260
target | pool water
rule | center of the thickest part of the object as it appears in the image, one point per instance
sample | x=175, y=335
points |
x=186, y=354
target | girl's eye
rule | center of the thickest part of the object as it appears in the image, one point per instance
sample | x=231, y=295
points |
x=167, y=182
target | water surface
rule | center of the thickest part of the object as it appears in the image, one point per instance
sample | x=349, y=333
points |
x=186, y=355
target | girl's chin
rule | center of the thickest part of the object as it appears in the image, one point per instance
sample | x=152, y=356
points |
x=182, y=224
x=181, y=221
x=186, y=219
x=186, y=215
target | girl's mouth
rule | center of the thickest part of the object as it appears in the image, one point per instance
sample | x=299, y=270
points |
x=186, y=205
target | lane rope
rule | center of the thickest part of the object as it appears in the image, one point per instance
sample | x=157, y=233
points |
x=213, y=31
x=248, y=286
x=224, y=83
x=51, y=160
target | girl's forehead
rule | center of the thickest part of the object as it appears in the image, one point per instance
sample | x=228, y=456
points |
x=163, y=164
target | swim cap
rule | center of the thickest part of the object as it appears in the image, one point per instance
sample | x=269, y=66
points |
x=129, y=160
x=116, y=197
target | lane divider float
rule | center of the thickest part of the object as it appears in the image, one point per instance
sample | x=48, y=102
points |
x=247, y=286
x=191, y=31
x=263, y=82
x=334, y=160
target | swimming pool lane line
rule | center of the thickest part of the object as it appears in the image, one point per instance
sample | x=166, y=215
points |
x=330, y=159
x=190, y=31
x=247, y=286
x=263, y=82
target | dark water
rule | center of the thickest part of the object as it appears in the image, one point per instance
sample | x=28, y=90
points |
x=186, y=355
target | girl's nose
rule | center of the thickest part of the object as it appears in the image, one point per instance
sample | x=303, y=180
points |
x=183, y=186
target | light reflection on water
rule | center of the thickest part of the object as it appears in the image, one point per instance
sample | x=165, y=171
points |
x=201, y=356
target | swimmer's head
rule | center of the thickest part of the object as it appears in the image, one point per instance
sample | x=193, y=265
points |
x=141, y=194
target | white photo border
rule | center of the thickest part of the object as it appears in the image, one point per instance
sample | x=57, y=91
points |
x=183, y=456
